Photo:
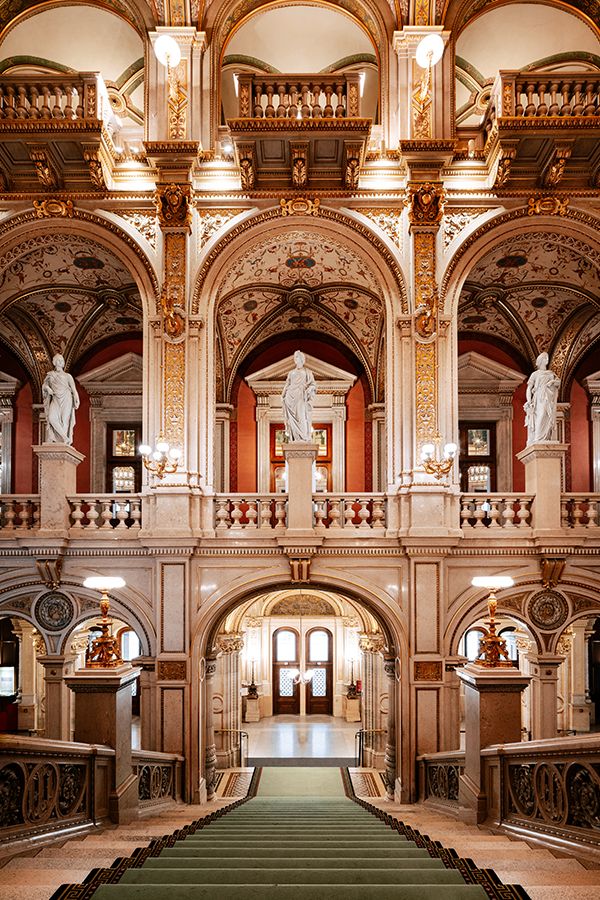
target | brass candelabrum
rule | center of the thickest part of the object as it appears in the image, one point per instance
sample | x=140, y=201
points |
x=492, y=648
x=163, y=460
x=104, y=651
x=252, y=689
x=434, y=467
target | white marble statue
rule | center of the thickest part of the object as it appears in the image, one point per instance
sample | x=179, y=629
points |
x=60, y=402
x=540, y=405
x=298, y=392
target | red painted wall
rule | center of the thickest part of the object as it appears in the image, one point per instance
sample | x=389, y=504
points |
x=355, y=438
x=246, y=439
x=580, y=439
x=24, y=464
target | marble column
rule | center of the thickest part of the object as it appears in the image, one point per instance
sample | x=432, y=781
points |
x=210, y=760
x=492, y=716
x=579, y=703
x=230, y=646
x=389, y=667
x=27, y=709
x=371, y=645
x=148, y=697
x=544, y=669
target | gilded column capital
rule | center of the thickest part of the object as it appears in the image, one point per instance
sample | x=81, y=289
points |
x=372, y=642
x=230, y=643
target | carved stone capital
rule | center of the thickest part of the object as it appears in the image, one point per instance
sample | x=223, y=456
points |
x=230, y=643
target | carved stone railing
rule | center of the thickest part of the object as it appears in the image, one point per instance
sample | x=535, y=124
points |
x=159, y=777
x=299, y=96
x=439, y=775
x=19, y=511
x=482, y=512
x=247, y=513
x=579, y=510
x=356, y=513
x=49, y=786
x=550, y=788
x=75, y=97
x=105, y=513
x=543, y=96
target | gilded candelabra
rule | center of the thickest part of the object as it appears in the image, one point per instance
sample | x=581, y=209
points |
x=104, y=651
x=492, y=648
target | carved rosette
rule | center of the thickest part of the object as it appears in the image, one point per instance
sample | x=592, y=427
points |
x=372, y=642
x=230, y=643
x=548, y=610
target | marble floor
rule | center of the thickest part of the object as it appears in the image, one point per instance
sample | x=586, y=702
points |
x=316, y=740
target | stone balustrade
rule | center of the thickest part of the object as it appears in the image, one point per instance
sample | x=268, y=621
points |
x=493, y=511
x=19, y=511
x=54, y=97
x=358, y=513
x=319, y=96
x=579, y=510
x=247, y=513
x=439, y=775
x=544, y=95
x=105, y=512
x=159, y=777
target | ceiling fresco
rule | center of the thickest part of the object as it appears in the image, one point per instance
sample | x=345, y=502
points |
x=539, y=291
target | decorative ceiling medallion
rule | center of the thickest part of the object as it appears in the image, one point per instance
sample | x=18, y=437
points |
x=548, y=610
x=54, y=611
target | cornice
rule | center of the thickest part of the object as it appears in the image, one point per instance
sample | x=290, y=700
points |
x=299, y=125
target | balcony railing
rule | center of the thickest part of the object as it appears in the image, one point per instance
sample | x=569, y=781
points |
x=159, y=777
x=493, y=511
x=237, y=513
x=358, y=513
x=19, y=511
x=77, y=97
x=579, y=511
x=299, y=96
x=105, y=512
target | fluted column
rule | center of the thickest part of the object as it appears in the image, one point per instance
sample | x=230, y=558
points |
x=230, y=646
x=210, y=760
x=371, y=645
x=389, y=667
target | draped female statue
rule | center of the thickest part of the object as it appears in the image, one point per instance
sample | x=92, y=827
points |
x=540, y=405
x=298, y=392
x=60, y=402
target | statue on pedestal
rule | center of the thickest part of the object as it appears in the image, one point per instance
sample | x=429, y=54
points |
x=540, y=405
x=298, y=393
x=60, y=402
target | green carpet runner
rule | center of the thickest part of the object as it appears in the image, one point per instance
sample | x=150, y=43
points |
x=307, y=847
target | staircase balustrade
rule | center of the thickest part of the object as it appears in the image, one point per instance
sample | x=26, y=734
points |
x=439, y=775
x=493, y=511
x=239, y=744
x=19, y=512
x=159, y=777
x=299, y=96
x=249, y=513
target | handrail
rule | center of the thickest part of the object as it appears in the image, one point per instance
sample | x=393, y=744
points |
x=159, y=776
x=360, y=743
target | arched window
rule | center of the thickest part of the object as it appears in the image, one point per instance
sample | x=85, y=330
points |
x=319, y=646
x=511, y=642
x=470, y=642
x=286, y=645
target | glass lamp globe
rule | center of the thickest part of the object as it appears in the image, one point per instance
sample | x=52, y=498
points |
x=429, y=50
x=166, y=49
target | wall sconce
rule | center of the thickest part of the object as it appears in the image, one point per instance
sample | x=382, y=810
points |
x=168, y=53
x=163, y=460
x=429, y=52
x=491, y=646
x=432, y=466
x=104, y=651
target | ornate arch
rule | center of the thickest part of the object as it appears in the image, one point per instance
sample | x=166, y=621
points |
x=457, y=14
x=140, y=15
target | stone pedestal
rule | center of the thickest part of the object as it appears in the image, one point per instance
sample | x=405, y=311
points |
x=58, y=468
x=544, y=694
x=300, y=457
x=103, y=716
x=57, y=719
x=543, y=466
x=252, y=709
x=492, y=716
x=353, y=709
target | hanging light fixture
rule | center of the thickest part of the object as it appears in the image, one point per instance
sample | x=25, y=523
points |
x=297, y=675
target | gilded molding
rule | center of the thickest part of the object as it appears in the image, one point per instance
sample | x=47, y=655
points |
x=300, y=206
x=426, y=390
x=174, y=393
x=547, y=206
x=426, y=296
x=172, y=299
x=237, y=126
x=53, y=208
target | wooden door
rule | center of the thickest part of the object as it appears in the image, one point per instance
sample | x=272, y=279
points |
x=286, y=694
x=319, y=658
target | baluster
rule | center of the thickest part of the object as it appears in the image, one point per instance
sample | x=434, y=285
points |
x=578, y=98
x=258, y=110
x=45, y=111
x=590, y=106
x=136, y=513
x=222, y=514
x=34, y=96
x=9, y=515
x=592, y=514
x=280, y=514
x=577, y=513
x=79, y=111
x=378, y=515
x=340, y=112
x=293, y=108
x=282, y=108
x=24, y=514
x=36, y=514
x=334, y=513
x=565, y=109
x=564, y=513
x=465, y=513
x=542, y=109
x=106, y=514
x=523, y=513
x=77, y=512
x=122, y=513
x=270, y=109
x=305, y=107
x=317, y=112
x=319, y=513
x=348, y=512
x=265, y=514
x=328, y=108
x=236, y=515
x=57, y=111
x=364, y=514
x=22, y=111
x=508, y=513
x=530, y=108
x=494, y=513
x=554, y=108
x=479, y=512
x=2, y=113
x=69, y=111
x=10, y=103
x=251, y=513
x=519, y=90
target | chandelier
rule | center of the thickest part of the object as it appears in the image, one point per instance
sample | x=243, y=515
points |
x=297, y=675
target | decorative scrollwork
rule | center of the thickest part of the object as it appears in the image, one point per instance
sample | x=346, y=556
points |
x=155, y=782
x=442, y=781
x=12, y=780
x=521, y=788
x=71, y=791
x=583, y=793
x=38, y=794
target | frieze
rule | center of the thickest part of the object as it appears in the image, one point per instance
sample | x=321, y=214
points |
x=428, y=670
x=172, y=670
x=301, y=605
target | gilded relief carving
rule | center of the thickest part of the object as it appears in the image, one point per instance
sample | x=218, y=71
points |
x=144, y=223
x=172, y=670
x=425, y=365
x=428, y=670
x=51, y=208
x=388, y=219
x=213, y=220
x=174, y=393
x=426, y=204
x=173, y=205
